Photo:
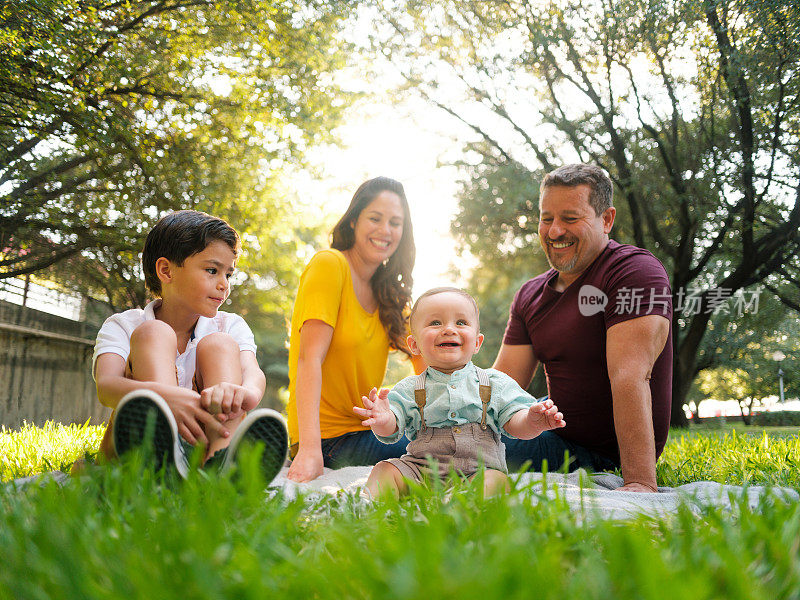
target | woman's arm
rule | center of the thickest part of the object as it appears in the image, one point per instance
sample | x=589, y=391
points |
x=315, y=339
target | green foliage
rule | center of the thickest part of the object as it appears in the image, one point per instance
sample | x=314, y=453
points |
x=113, y=113
x=738, y=356
x=691, y=108
x=496, y=225
x=754, y=457
x=778, y=418
x=31, y=450
x=123, y=532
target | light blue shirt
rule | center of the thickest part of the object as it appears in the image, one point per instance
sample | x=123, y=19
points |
x=454, y=399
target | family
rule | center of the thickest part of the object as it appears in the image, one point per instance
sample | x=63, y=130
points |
x=181, y=374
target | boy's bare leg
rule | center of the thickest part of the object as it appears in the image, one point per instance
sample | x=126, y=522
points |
x=154, y=346
x=494, y=482
x=217, y=362
x=152, y=358
x=386, y=477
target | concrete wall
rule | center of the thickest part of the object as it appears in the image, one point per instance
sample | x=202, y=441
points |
x=45, y=369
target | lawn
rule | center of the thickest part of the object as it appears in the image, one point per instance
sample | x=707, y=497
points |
x=122, y=532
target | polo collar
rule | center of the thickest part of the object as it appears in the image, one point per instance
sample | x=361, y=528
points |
x=454, y=376
x=203, y=327
x=150, y=309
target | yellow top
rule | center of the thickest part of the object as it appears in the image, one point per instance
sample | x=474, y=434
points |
x=356, y=359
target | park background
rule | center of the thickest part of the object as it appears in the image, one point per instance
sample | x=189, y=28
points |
x=270, y=114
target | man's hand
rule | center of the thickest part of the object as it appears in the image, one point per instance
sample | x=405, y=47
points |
x=228, y=401
x=377, y=414
x=544, y=416
x=193, y=420
x=307, y=465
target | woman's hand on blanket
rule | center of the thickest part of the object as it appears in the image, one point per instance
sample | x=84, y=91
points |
x=545, y=416
x=307, y=465
x=376, y=413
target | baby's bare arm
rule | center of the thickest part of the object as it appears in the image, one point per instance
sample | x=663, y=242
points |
x=542, y=416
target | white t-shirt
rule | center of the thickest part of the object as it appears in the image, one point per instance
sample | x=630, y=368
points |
x=115, y=336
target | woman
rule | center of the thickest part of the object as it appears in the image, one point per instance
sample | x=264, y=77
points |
x=347, y=315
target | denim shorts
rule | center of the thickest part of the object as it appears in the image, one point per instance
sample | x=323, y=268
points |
x=357, y=448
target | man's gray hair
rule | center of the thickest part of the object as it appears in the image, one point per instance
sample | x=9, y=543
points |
x=583, y=174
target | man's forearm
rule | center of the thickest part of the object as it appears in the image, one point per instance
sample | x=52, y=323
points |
x=633, y=422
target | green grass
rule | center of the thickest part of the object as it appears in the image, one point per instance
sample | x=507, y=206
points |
x=121, y=532
x=31, y=450
x=737, y=456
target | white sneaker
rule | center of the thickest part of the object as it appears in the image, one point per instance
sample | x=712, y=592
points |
x=261, y=427
x=143, y=417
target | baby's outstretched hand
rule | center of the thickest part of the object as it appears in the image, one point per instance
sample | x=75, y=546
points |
x=545, y=416
x=376, y=413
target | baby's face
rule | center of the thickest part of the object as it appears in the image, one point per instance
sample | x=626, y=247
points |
x=445, y=331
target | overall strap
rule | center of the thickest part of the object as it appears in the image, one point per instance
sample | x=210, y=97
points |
x=485, y=392
x=420, y=397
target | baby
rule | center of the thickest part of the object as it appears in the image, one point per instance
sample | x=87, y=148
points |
x=453, y=412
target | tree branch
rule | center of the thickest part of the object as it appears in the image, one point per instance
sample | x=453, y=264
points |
x=740, y=95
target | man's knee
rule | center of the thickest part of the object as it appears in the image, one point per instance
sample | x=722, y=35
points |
x=154, y=332
x=217, y=344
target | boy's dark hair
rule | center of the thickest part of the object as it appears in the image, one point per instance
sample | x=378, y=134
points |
x=442, y=290
x=179, y=235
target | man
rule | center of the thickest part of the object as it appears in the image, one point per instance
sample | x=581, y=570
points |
x=600, y=323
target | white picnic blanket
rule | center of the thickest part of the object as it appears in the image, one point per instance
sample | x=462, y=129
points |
x=589, y=495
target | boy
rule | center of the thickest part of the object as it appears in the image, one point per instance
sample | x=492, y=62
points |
x=180, y=362
x=453, y=411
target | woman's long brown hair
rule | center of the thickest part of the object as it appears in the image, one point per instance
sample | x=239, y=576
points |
x=392, y=282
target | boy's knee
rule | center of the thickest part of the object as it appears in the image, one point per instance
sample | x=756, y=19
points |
x=215, y=344
x=154, y=332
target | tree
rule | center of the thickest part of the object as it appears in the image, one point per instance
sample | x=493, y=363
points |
x=741, y=363
x=112, y=113
x=692, y=107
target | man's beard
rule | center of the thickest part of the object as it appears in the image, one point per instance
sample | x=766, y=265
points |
x=564, y=268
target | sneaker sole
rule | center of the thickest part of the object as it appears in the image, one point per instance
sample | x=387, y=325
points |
x=132, y=425
x=265, y=426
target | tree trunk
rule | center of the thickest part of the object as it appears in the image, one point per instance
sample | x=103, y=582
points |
x=746, y=418
x=681, y=383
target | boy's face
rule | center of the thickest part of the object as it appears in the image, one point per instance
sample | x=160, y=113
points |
x=445, y=331
x=202, y=283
